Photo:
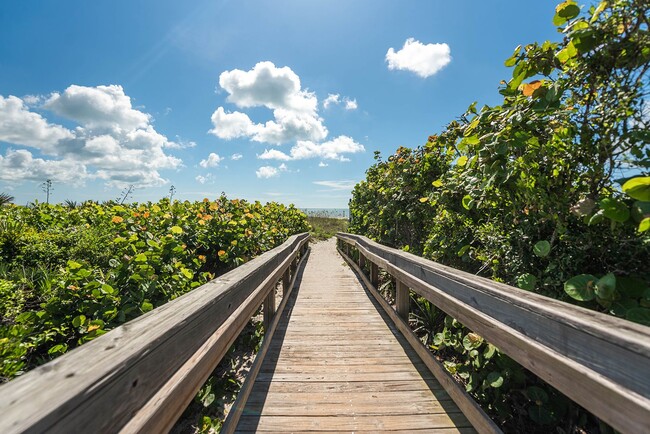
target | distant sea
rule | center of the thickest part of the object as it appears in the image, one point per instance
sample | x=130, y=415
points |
x=338, y=213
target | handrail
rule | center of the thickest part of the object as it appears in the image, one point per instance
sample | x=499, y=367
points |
x=140, y=376
x=599, y=361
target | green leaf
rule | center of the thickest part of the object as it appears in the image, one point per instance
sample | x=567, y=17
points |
x=638, y=188
x=581, y=287
x=73, y=265
x=437, y=183
x=78, y=321
x=463, y=250
x=57, y=349
x=614, y=209
x=567, y=53
x=495, y=379
x=542, y=248
x=489, y=351
x=187, y=273
x=462, y=161
x=639, y=315
x=176, y=230
x=141, y=257
x=569, y=9
x=472, y=341
x=537, y=395
x=527, y=281
x=108, y=289
x=640, y=210
x=601, y=7
x=644, y=225
x=467, y=201
x=605, y=286
x=146, y=306
x=423, y=199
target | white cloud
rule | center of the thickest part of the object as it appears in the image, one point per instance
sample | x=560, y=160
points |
x=351, y=104
x=323, y=164
x=424, y=60
x=267, y=86
x=267, y=172
x=20, y=165
x=335, y=99
x=98, y=107
x=236, y=157
x=332, y=98
x=295, y=115
x=337, y=185
x=113, y=141
x=203, y=179
x=213, y=160
x=20, y=126
x=330, y=150
x=274, y=154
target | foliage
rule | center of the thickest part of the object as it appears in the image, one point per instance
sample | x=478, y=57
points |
x=548, y=191
x=5, y=198
x=323, y=228
x=69, y=274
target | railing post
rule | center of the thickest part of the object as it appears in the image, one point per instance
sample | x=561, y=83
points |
x=286, y=281
x=269, y=308
x=374, y=275
x=362, y=261
x=402, y=300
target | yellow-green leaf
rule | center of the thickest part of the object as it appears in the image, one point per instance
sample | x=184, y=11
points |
x=644, y=225
x=176, y=230
x=424, y=199
x=437, y=183
x=462, y=161
x=638, y=188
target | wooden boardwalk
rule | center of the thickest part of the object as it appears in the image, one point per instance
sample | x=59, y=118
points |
x=336, y=363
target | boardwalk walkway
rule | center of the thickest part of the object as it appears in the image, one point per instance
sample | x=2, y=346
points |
x=336, y=363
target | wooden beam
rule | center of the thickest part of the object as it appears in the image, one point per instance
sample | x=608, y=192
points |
x=402, y=300
x=582, y=353
x=123, y=371
x=474, y=413
x=269, y=308
x=374, y=274
x=286, y=282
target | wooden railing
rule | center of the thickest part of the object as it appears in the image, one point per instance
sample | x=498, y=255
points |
x=141, y=376
x=600, y=362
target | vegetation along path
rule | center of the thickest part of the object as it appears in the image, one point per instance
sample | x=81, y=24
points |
x=336, y=362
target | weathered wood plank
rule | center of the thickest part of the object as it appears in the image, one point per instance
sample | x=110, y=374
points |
x=321, y=363
x=580, y=352
x=354, y=422
x=118, y=373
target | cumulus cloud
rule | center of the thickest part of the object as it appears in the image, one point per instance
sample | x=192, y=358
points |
x=98, y=107
x=20, y=165
x=323, y=164
x=351, y=104
x=213, y=160
x=267, y=172
x=423, y=59
x=236, y=157
x=113, y=141
x=330, y=150
x=295, y=115
x=203, y=179
x=20, y=126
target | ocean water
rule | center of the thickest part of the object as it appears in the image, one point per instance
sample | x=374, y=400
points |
x=339, y=213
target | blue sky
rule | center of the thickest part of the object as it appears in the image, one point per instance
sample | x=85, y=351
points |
x=274, y=100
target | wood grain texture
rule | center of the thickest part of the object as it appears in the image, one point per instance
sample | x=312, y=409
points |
x=322, y=372
x=584, y=354
x=101, y=385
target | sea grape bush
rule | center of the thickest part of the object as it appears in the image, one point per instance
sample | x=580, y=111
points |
x=70, y=273
x=548, y=191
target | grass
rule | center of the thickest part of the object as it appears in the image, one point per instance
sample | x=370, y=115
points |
x=325, y=227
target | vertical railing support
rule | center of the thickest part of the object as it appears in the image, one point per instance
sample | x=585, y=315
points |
x=269, y=308
x=402, y=300
x=374, y=275
x=286, y=281
x=362, y=261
